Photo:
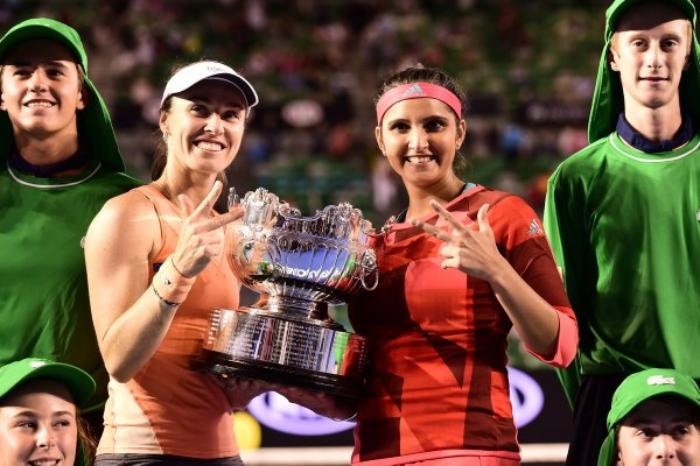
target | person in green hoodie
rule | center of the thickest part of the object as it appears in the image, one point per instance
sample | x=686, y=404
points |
x=623, y=214
x=59, y=163
x=654, y=419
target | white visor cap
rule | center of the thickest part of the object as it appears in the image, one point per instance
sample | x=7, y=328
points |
x=189, y=75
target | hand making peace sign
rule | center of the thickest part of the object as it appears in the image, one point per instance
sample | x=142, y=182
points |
x=469, y=249
x=201, y=236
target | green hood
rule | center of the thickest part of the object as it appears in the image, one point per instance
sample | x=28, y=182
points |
x=608, y=101
x=637, y=388
x=94, y=124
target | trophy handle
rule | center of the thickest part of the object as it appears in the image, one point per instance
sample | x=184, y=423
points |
x=368, y=268
x=234, y=200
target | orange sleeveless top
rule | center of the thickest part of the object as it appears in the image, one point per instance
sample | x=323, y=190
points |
x=169, y=408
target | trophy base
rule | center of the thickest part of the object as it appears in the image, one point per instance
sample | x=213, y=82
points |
x=286, y=350
x=217, y=363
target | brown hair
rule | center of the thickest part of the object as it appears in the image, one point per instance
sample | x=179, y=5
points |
x=87, y=446
x=160, y=154
x=436, y=76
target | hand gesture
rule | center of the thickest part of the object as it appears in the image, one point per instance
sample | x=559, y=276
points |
x=201, y=236
x=469, y=249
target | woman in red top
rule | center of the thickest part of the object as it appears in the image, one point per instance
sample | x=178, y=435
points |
x=458, y=268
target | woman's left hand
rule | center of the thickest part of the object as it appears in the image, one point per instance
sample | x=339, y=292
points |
x=471, y=250
x=338, y=409
x=240, y=391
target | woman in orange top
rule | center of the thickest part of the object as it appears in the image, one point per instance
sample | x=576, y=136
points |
x=156, y=269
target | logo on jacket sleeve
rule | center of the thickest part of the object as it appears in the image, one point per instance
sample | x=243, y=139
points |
x=535, y=228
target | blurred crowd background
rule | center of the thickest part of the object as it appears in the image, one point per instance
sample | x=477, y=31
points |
x=528, y=68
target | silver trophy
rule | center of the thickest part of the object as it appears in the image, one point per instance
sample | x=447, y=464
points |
x=298, y=265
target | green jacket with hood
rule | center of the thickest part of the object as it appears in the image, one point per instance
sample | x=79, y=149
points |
x=44, y=306
x=624, y=226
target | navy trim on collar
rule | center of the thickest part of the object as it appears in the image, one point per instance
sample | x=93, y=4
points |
x=75, y=161
x=635, y=139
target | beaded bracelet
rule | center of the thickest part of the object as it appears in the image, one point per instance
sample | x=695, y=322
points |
x=170, y=285
x=170, y=304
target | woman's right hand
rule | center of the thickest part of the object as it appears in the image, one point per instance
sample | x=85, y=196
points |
x=338, y=409
x=201, y=236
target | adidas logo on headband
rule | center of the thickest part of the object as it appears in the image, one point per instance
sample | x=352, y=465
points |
x=414, y=90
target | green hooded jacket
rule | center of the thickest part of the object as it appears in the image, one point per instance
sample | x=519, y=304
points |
x=589, y=181
x=44, y=302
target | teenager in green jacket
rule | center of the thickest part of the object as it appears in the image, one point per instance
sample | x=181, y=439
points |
x=59, y=163
x=623, y=214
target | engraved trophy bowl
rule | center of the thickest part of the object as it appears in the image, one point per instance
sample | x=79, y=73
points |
x=298, y=265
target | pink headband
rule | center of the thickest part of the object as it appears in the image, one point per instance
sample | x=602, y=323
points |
x=417, y=90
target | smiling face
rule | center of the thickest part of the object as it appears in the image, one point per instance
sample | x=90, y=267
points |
x=204, y=127
x=420, y=138
x=650, y=50
x=41, y=89
x=38, y=426
x=660, y=431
